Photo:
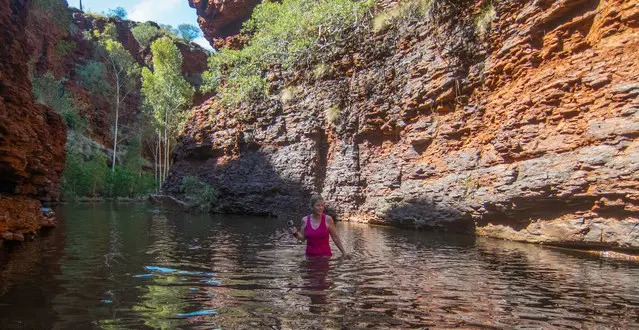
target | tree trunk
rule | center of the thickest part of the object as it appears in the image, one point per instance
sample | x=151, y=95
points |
x=160, y=174
x=115, y=130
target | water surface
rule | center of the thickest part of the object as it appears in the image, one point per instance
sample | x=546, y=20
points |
x=129, y=266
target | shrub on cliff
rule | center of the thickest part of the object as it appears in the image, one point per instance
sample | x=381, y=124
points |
x=93, y=76
x=293, y=34
x=50, y=91
x=199, y=195
x=145, y=33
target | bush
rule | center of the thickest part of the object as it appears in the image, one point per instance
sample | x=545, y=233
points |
x=199, y=195
x=188, y=31
x=90, y=176
x=145, y=33
x=49, y=91
x=484, y=18
x=290, y=34
x=332, y=114
x=64, y=48
x=93, y=76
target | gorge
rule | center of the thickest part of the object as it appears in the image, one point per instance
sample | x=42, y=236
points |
x=509, y=119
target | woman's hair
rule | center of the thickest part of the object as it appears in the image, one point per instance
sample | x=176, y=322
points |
x=315, y=198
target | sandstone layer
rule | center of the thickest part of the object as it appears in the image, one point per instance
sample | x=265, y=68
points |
x=32, y=137
x=525, y=132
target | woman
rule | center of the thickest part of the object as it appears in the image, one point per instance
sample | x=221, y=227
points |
x=315, y=231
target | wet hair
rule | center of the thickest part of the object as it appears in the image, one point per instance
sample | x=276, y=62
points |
x=315, y=198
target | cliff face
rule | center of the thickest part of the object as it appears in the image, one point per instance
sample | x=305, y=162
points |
x=32, y=137
x=527, y=133
x=221, y=20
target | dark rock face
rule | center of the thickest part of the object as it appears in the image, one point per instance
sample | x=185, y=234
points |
x=221, y=19
x=32, y=137
x=528, y=134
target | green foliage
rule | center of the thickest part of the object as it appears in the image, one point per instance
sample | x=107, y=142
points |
x=49, y=91
x=93, y=77
x=165, y=90
x=109, y=32
x=94, y=15
x=484, y=18
x=188, y=31
x=93, y=178
x=199, y=195
x=117, y=12
x=291, y=34
x=64, y=48
x=168, y=30
x=144, y=33
x=82, y=178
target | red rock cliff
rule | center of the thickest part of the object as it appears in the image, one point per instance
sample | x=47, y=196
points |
x=221, y=20
x=528, y=134
x=32, y=137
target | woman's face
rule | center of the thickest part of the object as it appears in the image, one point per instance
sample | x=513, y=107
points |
x=318, y=207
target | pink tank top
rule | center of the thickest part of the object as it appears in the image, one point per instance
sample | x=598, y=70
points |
x=317, y=239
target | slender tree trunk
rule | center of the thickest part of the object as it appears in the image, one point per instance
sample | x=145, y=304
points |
x=81, y=5
x=166, y=145
x=155, y=165
x=115, y=130
x=160, y=174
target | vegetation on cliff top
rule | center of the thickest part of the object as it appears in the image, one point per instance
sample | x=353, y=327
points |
x=291, y=34
x=310, y=35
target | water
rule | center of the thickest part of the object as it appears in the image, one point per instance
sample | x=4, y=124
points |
x=130, y=267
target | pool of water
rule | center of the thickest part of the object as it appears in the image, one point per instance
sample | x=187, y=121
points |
x=130, y=266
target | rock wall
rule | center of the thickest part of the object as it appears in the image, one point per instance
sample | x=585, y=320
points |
x=222, y=20
x=526, y=132
x=32, y=137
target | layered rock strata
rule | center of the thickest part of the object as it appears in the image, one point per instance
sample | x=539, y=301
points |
x=32, y=136
x=526, y=132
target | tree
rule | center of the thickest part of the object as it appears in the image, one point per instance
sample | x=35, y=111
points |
x=169, y=29
x=125, y=73
x=117, y=12
x=188, y=31
x=167, y=94
x=144, y=33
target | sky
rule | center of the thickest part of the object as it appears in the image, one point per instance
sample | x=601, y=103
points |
x=171, y=12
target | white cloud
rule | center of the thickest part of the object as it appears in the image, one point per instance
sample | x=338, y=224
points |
x=203, y=42
x=153, y=10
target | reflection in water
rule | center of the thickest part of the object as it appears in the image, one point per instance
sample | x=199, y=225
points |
x=128, y=266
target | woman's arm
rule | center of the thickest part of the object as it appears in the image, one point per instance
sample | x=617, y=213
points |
x=331, y=229
x=299, y=234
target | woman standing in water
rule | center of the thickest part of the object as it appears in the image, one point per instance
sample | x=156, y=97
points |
x=315, y=231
